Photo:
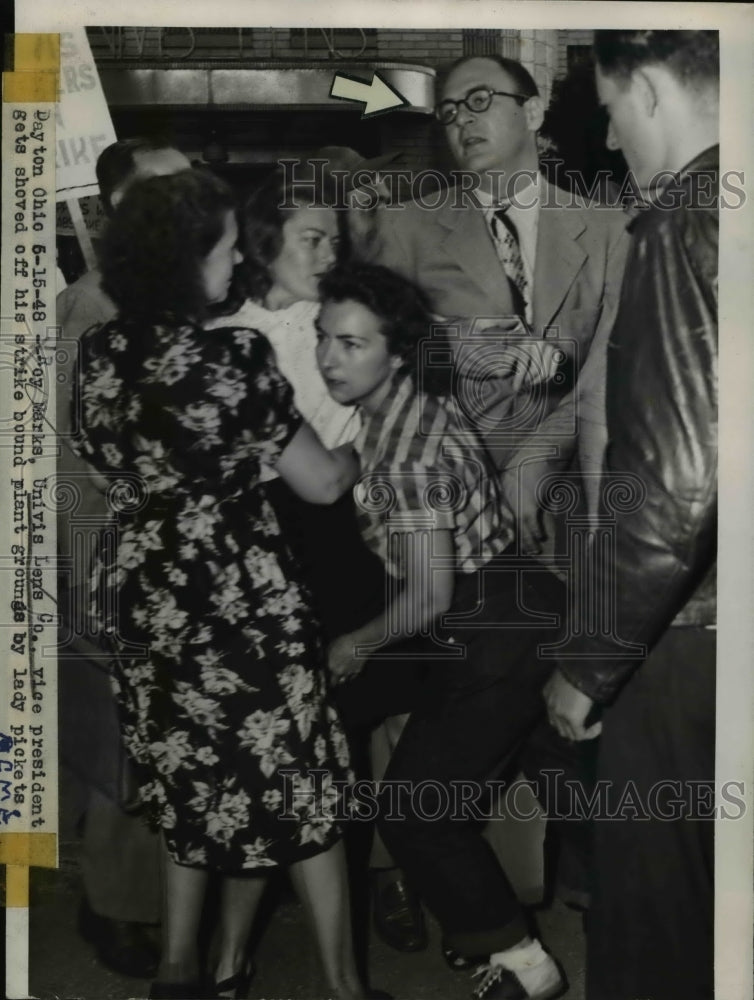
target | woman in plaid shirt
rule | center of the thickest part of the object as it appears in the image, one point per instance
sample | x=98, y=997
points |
x=457, y=641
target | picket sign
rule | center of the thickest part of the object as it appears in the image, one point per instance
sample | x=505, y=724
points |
x=83, y=129
x=82, y=233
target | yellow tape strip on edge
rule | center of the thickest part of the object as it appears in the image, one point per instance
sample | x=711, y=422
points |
x=32, y=850
x=19, y=852
x=36, y=69
x=16, y=887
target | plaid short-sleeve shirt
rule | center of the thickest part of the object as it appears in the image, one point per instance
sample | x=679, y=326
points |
x=420, y=469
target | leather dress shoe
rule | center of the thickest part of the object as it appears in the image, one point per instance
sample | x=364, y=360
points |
x=398, y=916
x=122, y=946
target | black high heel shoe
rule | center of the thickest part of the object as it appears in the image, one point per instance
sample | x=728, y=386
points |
x=239, y=982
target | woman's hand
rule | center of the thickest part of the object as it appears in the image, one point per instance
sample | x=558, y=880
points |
x=342, y=660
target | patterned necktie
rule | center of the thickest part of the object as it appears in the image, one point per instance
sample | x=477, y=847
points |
x=508, y=250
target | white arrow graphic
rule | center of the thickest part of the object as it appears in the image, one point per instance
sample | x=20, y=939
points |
x=377, y=96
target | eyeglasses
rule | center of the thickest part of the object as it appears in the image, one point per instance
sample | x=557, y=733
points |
x=478, y=99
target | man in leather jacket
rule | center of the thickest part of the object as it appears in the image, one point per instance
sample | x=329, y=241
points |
x=650, y=668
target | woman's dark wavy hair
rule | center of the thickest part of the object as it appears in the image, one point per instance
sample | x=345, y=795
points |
x=153, y=248
x=263, y=217
x=404, y=314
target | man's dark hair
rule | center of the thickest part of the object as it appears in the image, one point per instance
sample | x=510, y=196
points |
x=403, y=311
x=522, y=78
x=693, y=57
x=116, y=164
x=264, y=215
x=153, y=249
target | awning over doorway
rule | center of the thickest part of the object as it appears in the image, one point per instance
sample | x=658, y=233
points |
x=266, y=86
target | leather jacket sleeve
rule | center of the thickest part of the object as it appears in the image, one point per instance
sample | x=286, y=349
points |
x=659, y=491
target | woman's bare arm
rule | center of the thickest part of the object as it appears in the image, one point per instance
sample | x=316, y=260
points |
x=313, y=472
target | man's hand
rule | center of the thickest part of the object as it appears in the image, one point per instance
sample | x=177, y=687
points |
x=567, y=709
x=534, y=361
x=516, y=354
x=342, y=660
x=527, y=360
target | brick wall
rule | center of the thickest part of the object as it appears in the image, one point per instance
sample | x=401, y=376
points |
x=430, y=47
x=566, y=38
x=546, y=52
x=539, y=54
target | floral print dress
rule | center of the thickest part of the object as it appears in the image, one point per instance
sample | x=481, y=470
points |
x=220, y=683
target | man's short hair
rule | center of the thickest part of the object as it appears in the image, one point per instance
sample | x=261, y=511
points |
x=693, y=57
x=116, y=164
x=522, y=78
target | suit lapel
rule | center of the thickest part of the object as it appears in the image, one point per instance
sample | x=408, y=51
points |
x=467, y=240
x=559, y=256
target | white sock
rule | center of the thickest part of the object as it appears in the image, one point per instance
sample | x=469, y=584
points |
x=531, y=964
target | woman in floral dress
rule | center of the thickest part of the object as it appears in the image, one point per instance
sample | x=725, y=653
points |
x=220, y=683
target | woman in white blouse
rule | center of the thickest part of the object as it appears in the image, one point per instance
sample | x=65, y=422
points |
x=288, y=250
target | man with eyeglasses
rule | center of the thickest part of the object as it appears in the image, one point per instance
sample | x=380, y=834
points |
x=530, y=276
x=508, y=250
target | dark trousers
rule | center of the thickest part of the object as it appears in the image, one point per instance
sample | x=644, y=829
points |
x=650, y=930
x=471, y=720
x=345, y=579
x=120, y=855
x=348, y=586
x=120, y=863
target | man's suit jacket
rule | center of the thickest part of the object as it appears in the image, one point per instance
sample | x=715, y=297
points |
x=580, y=255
